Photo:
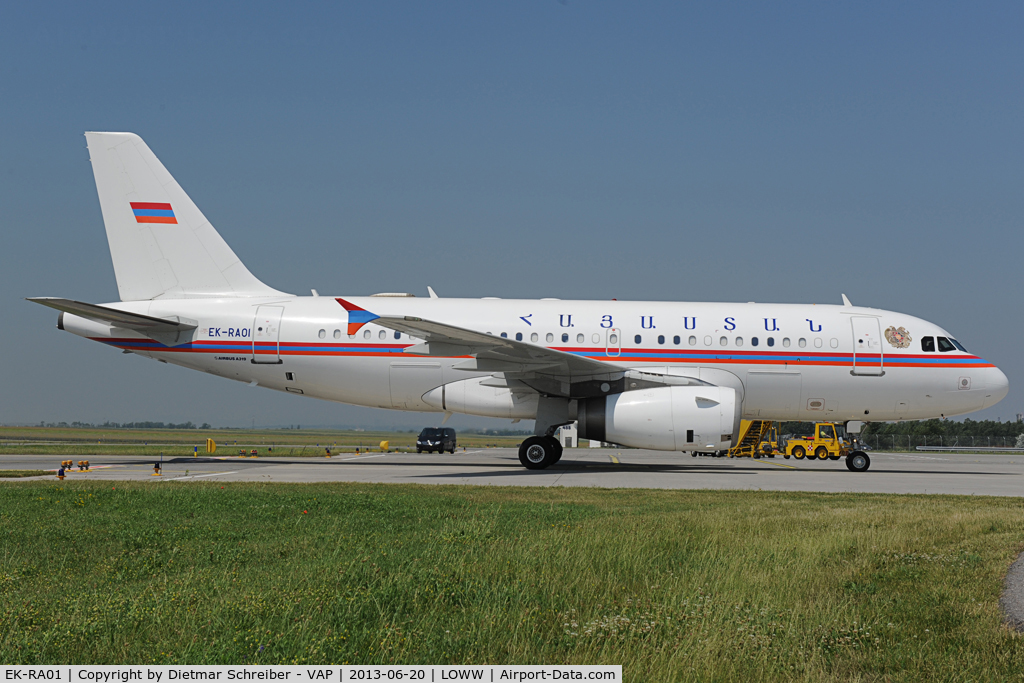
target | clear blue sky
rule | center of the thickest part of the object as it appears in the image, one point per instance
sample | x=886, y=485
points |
x=677, y=151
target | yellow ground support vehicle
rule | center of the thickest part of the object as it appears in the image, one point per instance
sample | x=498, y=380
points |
x=824, y=443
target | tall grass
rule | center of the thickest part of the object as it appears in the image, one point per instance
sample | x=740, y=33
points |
x=674, y=585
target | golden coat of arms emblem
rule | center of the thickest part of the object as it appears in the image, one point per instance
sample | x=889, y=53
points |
x=898, y=337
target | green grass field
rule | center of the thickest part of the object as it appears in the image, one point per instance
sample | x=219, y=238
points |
x=673, y=585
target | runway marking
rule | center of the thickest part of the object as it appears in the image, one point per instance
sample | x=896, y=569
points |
x=777, y=464
x=614, y=459
x=364, y=457
x=199, y=476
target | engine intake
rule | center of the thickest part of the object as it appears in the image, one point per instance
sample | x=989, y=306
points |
x=701, y=418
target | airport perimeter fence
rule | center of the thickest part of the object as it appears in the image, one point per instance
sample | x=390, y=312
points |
x=911, y=442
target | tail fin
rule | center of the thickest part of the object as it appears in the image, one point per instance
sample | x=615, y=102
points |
x=161, y=244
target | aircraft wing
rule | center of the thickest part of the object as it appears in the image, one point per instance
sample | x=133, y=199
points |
x=520, y=364
x=492, y=354
x=165, y=330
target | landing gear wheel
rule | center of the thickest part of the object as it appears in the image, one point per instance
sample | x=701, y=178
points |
x=858, y=461
x=799, y=452
x=538, y=452
x=557, y=446
x=821, y=452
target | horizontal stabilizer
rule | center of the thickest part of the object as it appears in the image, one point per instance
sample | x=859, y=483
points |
x=168, y=331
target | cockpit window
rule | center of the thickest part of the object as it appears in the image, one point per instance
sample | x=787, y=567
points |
x=945, y=345
x=959, y=345
x=928, y=344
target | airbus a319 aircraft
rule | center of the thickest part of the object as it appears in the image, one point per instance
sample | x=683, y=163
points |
x=648, y=374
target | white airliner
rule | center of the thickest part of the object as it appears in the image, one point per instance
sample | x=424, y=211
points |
x=650, y=374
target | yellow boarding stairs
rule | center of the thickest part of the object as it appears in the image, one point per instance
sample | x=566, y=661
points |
x=752, y=433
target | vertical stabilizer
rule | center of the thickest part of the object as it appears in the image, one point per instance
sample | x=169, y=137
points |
x=161, y=243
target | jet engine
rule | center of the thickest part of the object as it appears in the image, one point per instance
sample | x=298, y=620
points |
x=673, y=418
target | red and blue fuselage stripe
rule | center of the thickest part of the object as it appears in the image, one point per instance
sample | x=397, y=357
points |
x=624, y=356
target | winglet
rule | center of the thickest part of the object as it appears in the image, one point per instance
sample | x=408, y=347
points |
x=357, y=317
x=846, y=301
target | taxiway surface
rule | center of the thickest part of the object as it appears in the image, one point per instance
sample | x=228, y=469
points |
x=988, y=474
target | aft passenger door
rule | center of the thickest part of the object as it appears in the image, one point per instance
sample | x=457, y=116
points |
x=867, y=346
x=266, y=334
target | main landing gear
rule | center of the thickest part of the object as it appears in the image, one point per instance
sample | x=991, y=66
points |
x=858, y=461
x=539, y=452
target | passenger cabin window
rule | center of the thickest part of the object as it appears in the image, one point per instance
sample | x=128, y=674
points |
x=398, y=335
x=519, y=336
x=707, y=340
x=928, y=344
x=366, y=334
x=637, y=339
x=579, y=338
x=565, y=337
x=802, y=343
x=383, y=334
x=322, y=334
x=550, y=337
x=785, y=342
x=676, y=340
x=724, y=341
x=754, y=341
x=771, y=341
x=595, y=338
x=504, y=335
x=739, y=341
x=661, y=339
x=693, y=340
x=534, y=337
x=337, y=334
x=945, y=345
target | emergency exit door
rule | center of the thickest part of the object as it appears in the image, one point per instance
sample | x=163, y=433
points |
x=867, y=346
x=266, y=334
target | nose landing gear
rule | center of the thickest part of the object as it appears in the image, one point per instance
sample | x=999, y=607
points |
x=858, y=461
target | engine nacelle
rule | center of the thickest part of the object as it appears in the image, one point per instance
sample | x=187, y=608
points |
x=688, y=418
x=473, y=397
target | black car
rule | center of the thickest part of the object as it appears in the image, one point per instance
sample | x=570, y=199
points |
x=438, y=439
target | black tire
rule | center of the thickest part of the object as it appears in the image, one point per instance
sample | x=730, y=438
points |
x=821, y=453
x=557, y=446
x=834, y=457
x=799, y=452
x=538, y=452
x=419, y=450
x=858, y=461
x=786, y=456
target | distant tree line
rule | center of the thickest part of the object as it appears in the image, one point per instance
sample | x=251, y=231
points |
x=127, y=425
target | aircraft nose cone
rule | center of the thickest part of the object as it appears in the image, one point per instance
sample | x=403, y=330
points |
x=996, y=385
